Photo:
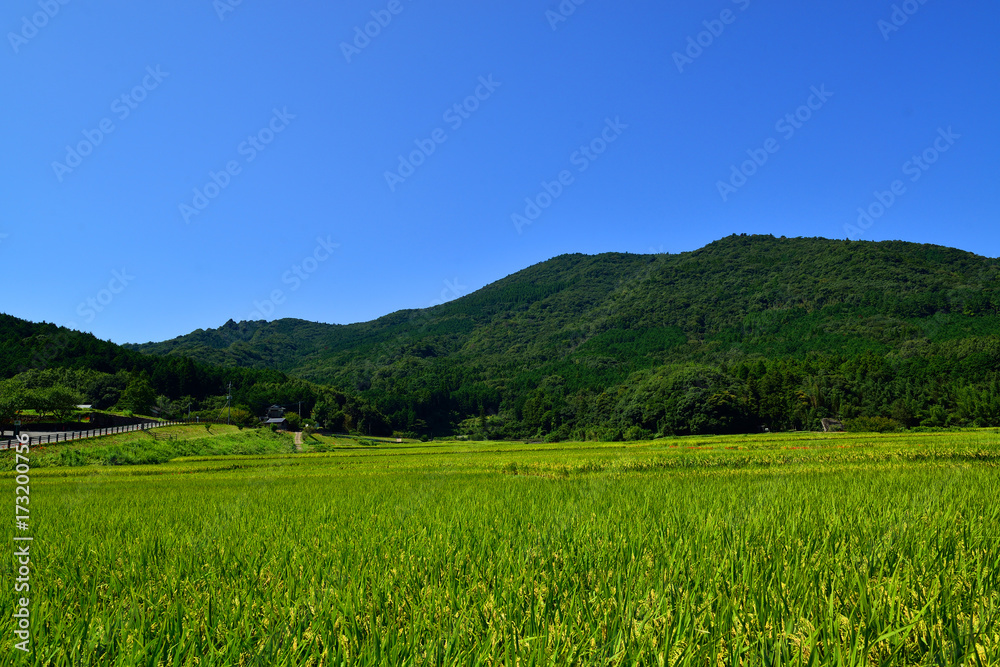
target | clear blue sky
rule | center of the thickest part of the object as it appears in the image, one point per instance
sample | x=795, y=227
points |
x=199, y=79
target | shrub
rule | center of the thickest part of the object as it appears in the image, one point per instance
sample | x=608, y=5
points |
x=637, y=432
x=72, y=458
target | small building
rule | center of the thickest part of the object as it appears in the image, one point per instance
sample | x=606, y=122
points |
x=276, y=416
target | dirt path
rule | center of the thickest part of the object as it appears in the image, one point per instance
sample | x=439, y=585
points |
x=298, y=441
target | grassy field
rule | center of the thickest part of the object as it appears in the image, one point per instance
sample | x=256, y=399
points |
x=764, y=550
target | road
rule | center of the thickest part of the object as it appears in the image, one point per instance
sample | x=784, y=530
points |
x=71, y=434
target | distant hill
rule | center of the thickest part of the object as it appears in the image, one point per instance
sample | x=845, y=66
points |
x=35, y=357
x=746, y=332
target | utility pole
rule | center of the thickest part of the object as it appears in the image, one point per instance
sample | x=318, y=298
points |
x=229, y=405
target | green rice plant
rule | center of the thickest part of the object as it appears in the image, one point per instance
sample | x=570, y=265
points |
x=784, y=550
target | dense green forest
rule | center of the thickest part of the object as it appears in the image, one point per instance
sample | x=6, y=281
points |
x=49, y=369
x=748, y=333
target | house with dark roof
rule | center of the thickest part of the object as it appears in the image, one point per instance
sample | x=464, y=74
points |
x=276, y=416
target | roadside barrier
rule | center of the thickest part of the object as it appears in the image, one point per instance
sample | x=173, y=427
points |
x=53, y=438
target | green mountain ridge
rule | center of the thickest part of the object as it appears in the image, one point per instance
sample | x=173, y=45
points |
x=51, y=369
x=615, y=343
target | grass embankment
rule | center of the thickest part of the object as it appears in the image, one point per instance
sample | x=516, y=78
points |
x=850, y=550
x=319, y=443
x=157, y=446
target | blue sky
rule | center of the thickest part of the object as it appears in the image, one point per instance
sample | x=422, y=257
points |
x=253, y=163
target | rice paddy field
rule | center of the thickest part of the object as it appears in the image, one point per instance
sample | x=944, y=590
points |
x=780, y=549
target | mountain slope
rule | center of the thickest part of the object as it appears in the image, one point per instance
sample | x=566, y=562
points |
x=38, y=356
x=577, y=326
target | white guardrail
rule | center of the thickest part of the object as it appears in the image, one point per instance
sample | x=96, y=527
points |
x=53, y=438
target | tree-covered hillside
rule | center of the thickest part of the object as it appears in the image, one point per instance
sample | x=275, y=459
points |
x=749, y=332
x=49, y=369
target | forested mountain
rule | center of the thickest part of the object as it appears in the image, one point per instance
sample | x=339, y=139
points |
x=748, y=332
x=49, y=368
